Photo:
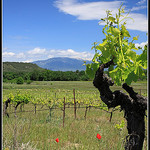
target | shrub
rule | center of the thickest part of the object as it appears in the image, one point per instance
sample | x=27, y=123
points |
x=28, y=81
x=20, y=80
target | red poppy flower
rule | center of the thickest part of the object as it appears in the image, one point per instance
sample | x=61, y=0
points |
x=57, y=140
x=98, y=136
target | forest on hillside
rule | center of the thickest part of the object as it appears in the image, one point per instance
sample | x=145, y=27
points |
x=15, y=72
x=20, y=67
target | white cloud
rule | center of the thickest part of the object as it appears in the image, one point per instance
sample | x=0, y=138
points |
x=87, y=10
x=28, y=61
x=140, y=22
x=20, y=55
x=37, y=51
x=97, y=10
x=8, y=54
x=70, y=53
x=141, y=44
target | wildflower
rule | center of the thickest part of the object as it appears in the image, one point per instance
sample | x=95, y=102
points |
x=57, y=140
x=98, y=136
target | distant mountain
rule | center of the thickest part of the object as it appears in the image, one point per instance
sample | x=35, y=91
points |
x=20, y=67
x=62, y=64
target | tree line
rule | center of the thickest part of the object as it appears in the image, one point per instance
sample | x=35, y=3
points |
x=46, y=75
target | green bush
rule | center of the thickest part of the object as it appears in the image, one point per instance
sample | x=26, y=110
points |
x=28, y=81
x=20, y=80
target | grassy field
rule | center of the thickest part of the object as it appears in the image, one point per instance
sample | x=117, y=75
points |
x=38, y=131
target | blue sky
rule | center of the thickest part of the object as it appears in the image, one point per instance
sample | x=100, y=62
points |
x=41, y=29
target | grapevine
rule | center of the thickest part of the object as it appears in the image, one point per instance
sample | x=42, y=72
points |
x=118, y=55
x=117, y=45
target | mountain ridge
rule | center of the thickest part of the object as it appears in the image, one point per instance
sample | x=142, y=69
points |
x=62, y=64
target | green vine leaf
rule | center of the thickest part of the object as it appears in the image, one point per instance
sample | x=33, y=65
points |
x=124, y=31
x=112, y=19
x=115, y=31
x=131, y=55
x=131, y=77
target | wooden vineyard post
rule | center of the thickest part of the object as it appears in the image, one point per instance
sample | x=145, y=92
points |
x=15, y=131
x=74, y=103
x=64, y=113
x=55, y=100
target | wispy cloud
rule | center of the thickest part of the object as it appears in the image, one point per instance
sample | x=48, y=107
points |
x=141, y=2
x=139, y=5
x=97, y=10
x=87, y=10
x=138, y=8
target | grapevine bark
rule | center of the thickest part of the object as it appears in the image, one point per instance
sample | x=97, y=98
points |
x=134, y=106
x=6, y=106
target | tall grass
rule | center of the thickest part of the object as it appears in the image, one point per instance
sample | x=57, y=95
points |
x=39, y=131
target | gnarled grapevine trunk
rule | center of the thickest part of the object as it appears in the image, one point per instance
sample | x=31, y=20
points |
x=134, y=107
x=5, y=107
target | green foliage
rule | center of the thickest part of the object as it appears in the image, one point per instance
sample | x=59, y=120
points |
x=128, y=66
x=19, y=98
x=46, y=75
x=29, y=71
x=28, y=81
x=120, y=126
x=20, y=80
